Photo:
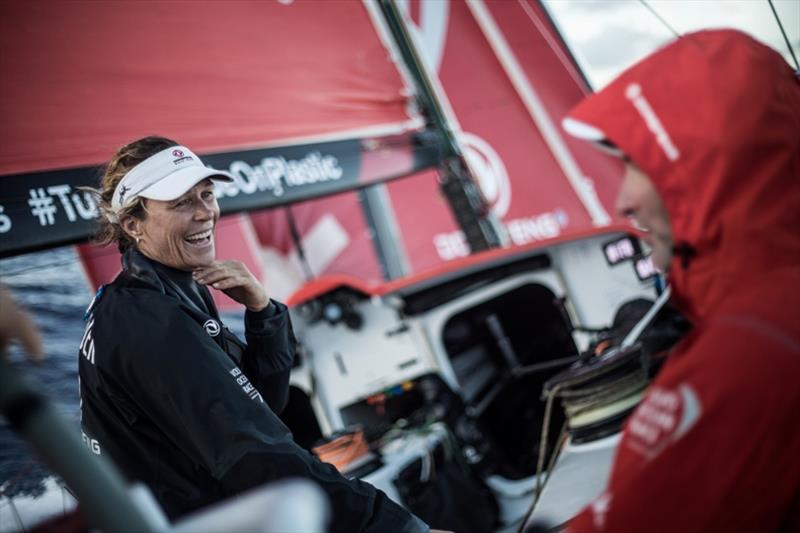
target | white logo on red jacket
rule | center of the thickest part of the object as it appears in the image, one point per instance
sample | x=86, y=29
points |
x=634, y=93
x=600, y=507
x=663, y=418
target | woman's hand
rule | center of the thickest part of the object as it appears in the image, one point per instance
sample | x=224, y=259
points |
x=234, y=279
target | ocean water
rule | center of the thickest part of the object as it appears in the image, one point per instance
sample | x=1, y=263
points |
x=51, y=286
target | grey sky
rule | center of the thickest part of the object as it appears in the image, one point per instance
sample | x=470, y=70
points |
x=607, y=36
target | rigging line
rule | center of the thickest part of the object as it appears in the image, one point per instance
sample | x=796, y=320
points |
x=660, y=18
x=785, y=37
x=17, y=517
x=298, y=243
x=569, y=66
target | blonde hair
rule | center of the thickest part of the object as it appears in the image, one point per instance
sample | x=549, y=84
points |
x=121, y=163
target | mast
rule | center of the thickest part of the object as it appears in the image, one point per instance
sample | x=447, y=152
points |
x=457, y=184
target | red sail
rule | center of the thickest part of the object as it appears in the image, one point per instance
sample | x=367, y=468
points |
x=82, y=78
x=509, y=80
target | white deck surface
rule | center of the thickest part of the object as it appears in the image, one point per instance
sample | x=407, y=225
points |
x=580, y=474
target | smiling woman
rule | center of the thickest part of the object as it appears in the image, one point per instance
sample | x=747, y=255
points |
x=167, y=391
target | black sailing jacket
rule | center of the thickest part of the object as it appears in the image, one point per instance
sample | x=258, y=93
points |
x=179, y=402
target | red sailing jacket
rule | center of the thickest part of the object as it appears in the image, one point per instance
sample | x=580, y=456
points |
x=714, y=120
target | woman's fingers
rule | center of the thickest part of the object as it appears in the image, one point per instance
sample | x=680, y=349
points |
x=219, y=270
x=202, y=275
x=227, y=283
x=216, y=276
x=235, y=280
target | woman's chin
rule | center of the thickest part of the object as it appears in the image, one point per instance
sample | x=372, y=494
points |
x=201, y=258
x=205, y=261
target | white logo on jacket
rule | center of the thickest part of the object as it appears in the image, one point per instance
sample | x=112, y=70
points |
x=600, y=508
x=212, y=327
x=87, y=342
x=664, y=417
x=634, y=93
x=245, y=384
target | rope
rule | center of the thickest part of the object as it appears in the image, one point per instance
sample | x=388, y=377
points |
x=660, y=19
x=586, y=402
x=17, y=516
x=555, y=48
x=591, y=403
x=562, y=437
x=579, y=403
x=785, y=37
x=551, y=395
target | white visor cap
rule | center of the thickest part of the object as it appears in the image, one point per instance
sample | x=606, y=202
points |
x=582, y=130
x=164, y=176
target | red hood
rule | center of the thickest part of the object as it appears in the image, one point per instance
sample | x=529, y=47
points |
x=714, y=120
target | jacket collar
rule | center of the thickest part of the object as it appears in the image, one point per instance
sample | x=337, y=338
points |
x=143, y=271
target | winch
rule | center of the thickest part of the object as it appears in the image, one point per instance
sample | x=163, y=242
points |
x=598, y=394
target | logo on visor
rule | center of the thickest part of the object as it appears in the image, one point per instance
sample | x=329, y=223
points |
x=212, y=327
x=180, y=157
x=122, y=191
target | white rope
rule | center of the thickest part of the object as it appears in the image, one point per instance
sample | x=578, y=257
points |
x=636, y=331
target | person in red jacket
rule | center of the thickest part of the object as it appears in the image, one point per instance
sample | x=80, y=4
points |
x=709, y=127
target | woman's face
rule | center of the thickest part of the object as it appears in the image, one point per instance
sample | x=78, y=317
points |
x=180, y=233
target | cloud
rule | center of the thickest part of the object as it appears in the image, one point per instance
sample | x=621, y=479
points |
x=619, y=45
x=607, y=36
x=590, y=6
